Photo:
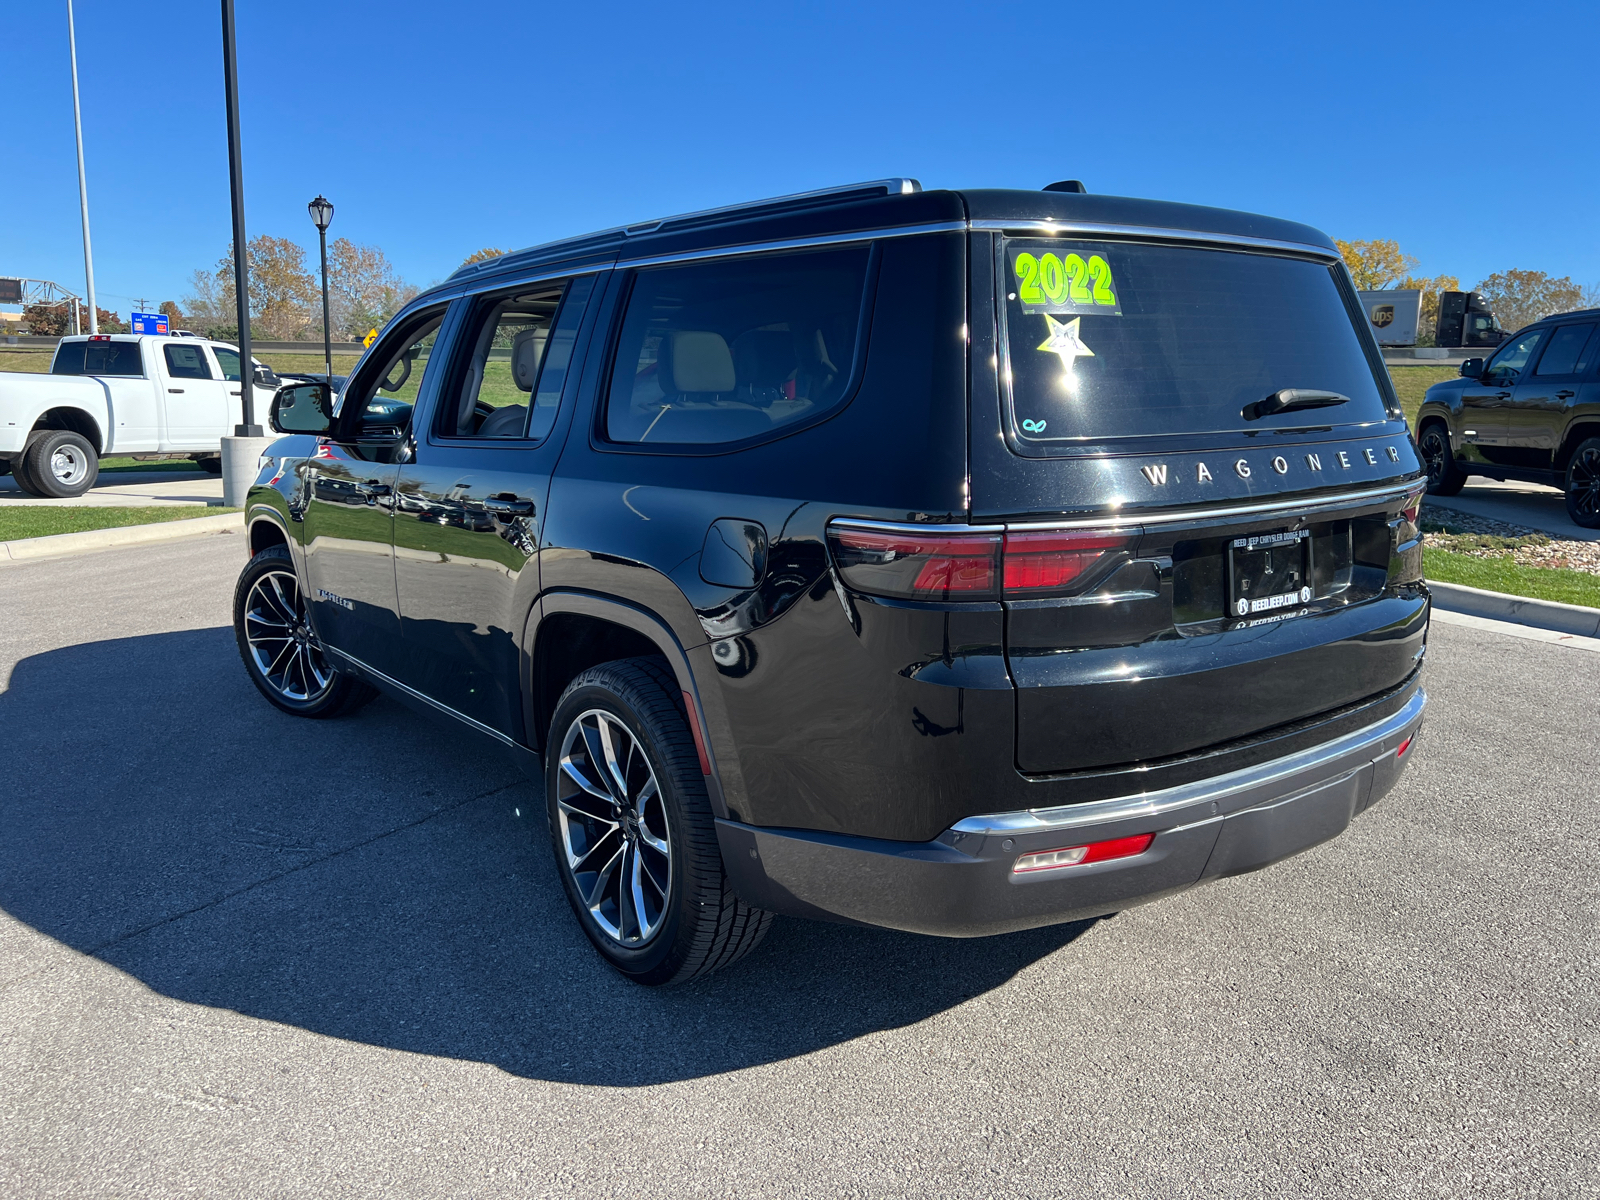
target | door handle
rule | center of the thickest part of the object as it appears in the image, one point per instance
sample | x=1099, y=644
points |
x=178, y=391
x=507, y=505
x=1565, y=395
x=1502, y=395
x=372, y=489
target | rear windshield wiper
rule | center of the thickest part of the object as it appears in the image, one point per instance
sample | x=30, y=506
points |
x=1290, y=399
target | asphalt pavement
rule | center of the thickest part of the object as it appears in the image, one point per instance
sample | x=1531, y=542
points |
x=246, y=955
x=128, y=489
x=1529, y=504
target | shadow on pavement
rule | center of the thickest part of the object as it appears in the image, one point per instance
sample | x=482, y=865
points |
x=385, y=879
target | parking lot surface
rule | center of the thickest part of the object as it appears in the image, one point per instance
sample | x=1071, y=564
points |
x=246, y=955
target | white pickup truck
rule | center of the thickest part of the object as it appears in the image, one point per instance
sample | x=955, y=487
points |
x=121, y=394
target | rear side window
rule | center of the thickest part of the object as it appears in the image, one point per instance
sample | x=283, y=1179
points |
x=98, y=358
x=1125, y=340
x=723, y=351
x=186, y=362
x=1564, y=355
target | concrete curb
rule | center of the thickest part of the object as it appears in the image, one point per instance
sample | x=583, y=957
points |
x=57, y=544
x=1497, y=606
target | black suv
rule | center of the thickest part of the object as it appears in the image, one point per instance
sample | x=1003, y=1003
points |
x=1531, y=413
x=956, y=562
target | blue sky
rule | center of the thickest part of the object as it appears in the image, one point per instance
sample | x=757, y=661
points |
x=437, y=129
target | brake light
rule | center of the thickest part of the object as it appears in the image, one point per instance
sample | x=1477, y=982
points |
x=100, y=337
x=1404, y=746
x=1052, y=561
x=1078, y=856
x=917, y=566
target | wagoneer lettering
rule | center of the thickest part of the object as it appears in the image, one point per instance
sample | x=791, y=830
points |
x=798, y=604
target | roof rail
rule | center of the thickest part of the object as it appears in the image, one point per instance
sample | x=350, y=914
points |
x=886, y=187
x=881, y=187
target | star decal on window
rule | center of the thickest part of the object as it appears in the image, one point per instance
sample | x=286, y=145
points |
x=1064, y=341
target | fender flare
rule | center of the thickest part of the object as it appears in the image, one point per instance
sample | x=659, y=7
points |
x=656, y=630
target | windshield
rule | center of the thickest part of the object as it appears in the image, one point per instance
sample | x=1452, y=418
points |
x=1117, y=340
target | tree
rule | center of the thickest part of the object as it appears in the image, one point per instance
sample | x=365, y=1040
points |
x=48, y=320
x=1375, y=265
x=1520, y=298
x=363, y=289
x=174, y=315
x=483, y=255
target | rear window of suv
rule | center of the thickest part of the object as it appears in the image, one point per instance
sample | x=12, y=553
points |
x=1112, y=340
x=97, y=358
x=732, y=349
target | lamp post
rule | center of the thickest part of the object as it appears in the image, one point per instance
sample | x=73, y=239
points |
x=83, y=187
x=322, y=216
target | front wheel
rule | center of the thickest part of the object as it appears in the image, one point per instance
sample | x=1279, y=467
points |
x=631, y=827
x=1444, y=477
x=281, y=652
x=1583, y=485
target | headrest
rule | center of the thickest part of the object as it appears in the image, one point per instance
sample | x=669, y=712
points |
x=526, y=348
x=699, y=362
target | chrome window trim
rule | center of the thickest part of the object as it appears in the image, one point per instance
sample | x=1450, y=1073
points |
x=1082, y=228
x=1313, y=504
x=1356, y=746
x=832, y=239
x=891, y=187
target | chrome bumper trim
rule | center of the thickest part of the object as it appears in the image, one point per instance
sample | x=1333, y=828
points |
x=1292, y=772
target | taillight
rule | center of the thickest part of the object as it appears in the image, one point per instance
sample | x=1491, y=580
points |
x=1038, y=563
x=917, y=566
x=1078, y=856
x=934, y=565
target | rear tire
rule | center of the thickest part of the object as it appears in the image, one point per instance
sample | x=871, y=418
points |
x=632, y=831
x=57, y=464
x=1583, y=484
x=1444, y=477
x=281, y=653
x=211, y=464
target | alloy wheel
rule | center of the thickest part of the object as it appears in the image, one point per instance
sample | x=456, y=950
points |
x=1436, y=454
x=282, y=646
x=1583, y=482
x=613, y=828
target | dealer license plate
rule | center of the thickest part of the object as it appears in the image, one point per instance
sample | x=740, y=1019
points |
x=1268, y=572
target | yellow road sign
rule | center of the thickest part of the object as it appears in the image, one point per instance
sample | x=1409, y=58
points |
x=371, y=334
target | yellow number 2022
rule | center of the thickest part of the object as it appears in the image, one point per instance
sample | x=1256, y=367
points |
x=1048, y=280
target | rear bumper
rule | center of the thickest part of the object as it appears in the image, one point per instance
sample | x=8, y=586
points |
x=961, y=883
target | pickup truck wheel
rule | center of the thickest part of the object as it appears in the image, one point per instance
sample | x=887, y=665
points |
x=281, y=652
x=1583, y=485
x=632, y=831
x=211, y=464
x=1444, y=477
x=58, y=463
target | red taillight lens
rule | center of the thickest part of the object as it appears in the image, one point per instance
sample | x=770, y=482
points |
x=1052, y=561
x=1078, y=856
x=1404, y=746
x=917, y=566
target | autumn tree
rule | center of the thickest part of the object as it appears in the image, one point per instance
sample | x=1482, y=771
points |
x=364, y=290
x=484, y=255
x=1377, y=264
x=48, y=320
x=1520, y=298
x=174, y=315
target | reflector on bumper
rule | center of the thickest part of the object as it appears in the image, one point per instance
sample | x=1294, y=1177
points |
x=1074, y=856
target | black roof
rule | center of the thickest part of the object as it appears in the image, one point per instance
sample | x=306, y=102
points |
x=880, y=205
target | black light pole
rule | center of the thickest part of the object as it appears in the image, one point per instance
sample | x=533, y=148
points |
x=322, y=216
x=241, y=265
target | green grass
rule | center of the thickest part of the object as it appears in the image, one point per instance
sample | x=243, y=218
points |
x=1504, y=575
x=1412, y=382
x=42, y=520
x=128, y=464
x=37, y=361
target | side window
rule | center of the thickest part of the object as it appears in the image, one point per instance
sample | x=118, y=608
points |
x=509, y=385
x=1561, y=355
x=379, y=402
x=721, y=351
x=98, y=358
x=188, y=362
x=1507, y=365
x=228, y=360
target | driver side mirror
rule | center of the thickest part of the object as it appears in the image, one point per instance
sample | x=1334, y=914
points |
x=304, y=408
x=1472, y=368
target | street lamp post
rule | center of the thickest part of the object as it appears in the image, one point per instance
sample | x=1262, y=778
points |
x=241, y=253
x=322, y=216
x=83, y=187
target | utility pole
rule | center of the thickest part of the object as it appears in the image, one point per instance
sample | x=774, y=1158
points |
x=241, y=253
x=83, y=187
